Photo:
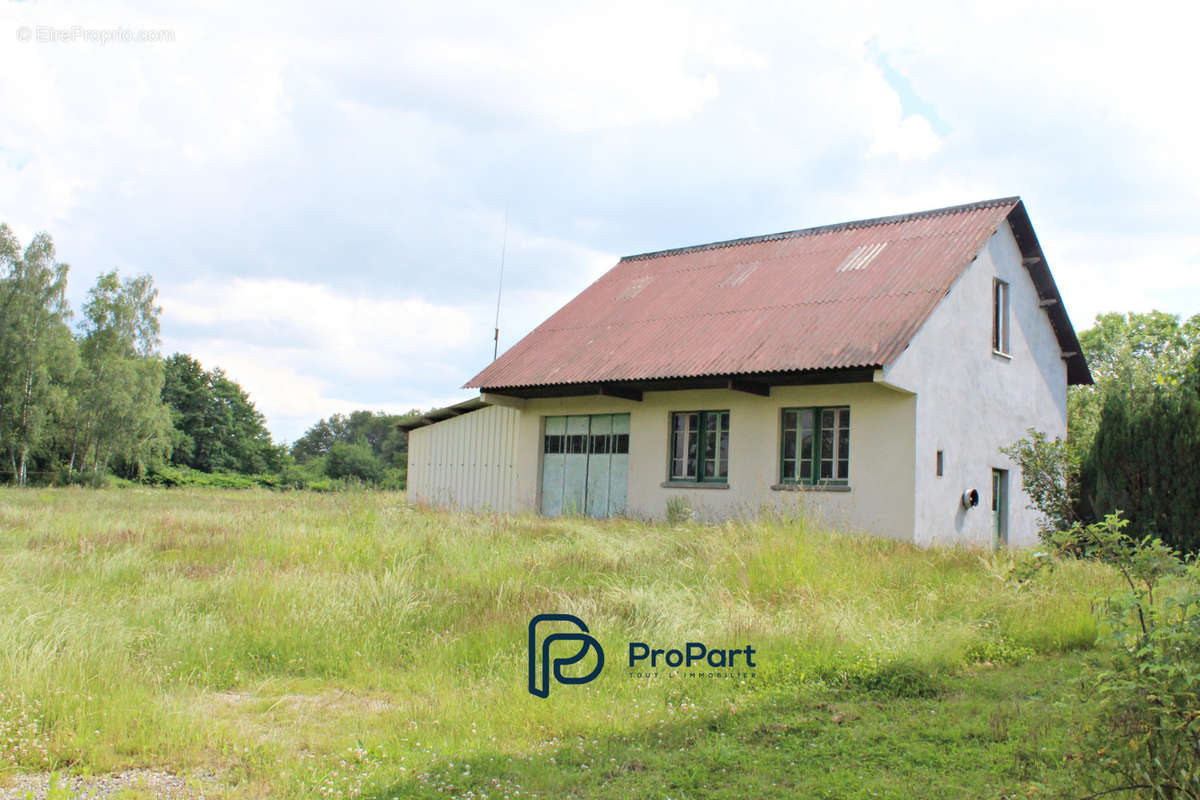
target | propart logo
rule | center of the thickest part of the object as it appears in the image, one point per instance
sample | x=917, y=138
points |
x=692, y=660
x=539, y=679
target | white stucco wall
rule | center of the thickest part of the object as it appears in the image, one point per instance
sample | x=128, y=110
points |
x=880, y=499
x=970, y=402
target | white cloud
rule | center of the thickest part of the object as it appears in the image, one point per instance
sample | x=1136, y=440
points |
x=95, y=118
x=304, y=351
x=912, y=137
x=1122, y=271
x=320, y=193
x=355, y=334
x=290, y=395
x=298, y=347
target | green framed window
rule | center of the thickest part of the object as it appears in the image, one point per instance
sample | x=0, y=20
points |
x=700, y=446
x=815, y=445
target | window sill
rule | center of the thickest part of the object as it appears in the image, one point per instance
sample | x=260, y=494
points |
x=694, y=485
x=1005, y=356
x=810, y=487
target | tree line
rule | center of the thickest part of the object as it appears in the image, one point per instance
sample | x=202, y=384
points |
x=89, y=399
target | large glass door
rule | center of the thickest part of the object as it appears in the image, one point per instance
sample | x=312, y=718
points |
x=585, y=465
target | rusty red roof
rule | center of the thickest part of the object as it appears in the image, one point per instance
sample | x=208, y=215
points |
x=839, y=296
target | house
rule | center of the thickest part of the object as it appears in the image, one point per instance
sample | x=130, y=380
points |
x=868, y=372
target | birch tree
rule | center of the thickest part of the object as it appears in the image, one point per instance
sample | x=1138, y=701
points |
x=121, y=414
x=37, y=354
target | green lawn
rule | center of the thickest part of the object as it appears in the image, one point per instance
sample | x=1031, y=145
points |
x=305, y=645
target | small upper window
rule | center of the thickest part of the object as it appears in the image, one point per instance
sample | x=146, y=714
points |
x=1000, y=316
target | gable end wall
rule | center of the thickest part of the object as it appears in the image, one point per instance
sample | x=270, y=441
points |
x=970, y=402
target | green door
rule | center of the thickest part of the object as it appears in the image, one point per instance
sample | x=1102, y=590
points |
x=999, y=508
x=585, y=465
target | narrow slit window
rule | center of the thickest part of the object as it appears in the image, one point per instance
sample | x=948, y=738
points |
x=1000, y=316
x=940, y=463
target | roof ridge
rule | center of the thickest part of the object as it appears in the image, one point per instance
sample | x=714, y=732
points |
x=840, y=226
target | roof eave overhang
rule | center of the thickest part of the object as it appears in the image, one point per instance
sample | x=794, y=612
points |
x=442, y=414
x=749, y=382
x=1048, y=296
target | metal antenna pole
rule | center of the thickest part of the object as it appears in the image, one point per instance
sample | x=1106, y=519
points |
x=499, y=289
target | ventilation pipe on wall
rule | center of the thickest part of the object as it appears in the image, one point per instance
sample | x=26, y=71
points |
x=970, y=498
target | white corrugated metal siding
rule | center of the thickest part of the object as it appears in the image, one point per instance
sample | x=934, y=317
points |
x=467, y=462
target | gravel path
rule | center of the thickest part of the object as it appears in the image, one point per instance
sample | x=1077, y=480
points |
x=135, y=782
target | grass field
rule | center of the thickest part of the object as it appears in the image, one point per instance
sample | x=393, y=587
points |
x=299, y=645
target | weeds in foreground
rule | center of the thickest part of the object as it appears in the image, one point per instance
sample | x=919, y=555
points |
x=271, y=637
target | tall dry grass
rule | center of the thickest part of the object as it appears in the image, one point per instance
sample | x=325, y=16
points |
x=269, y=635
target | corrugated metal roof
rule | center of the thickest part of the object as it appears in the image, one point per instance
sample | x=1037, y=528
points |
x=776, y=303
x=439, y=414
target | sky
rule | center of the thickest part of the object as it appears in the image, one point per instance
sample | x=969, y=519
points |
x=323, y=193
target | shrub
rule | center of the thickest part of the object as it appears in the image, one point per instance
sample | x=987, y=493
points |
x=678, y=511
x=186, y=476
x=1147, y=737
x=997, y=651
x=1144, y=461
x=1049, y=476
x=353, y=461
x=899, y=678
x=303, y=476
x=394, y=480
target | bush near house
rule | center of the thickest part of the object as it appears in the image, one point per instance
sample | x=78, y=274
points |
x=1134, y=437
x=1145, y=739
